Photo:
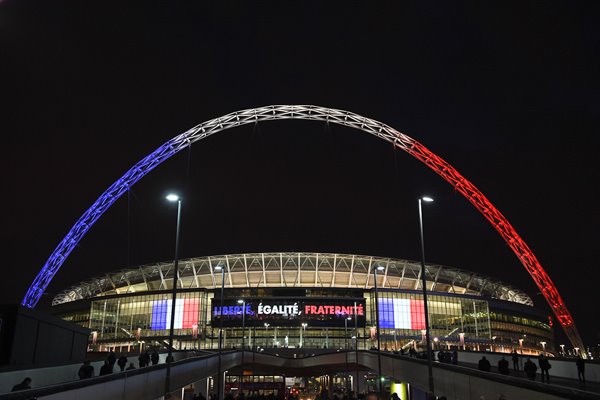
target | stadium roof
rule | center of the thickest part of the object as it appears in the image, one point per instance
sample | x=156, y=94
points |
x=297, y=269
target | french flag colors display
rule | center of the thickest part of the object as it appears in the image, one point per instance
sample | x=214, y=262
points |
x=401, y=314
x=186, y=314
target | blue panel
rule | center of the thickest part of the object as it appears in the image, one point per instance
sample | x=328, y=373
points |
x=386, y=313
x=159, y=314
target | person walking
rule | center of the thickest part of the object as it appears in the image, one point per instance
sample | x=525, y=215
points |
x=24, y=385
x=122, y=362
x=484, y=364
x=515, y=360
x=112, y=358
x=530, y=369
x=580, y=363
x=106, y=369
x=544, y=367
x=503, y=366
x=141, y=360
x=455, y=357
x=154, y=357
x=86, y=371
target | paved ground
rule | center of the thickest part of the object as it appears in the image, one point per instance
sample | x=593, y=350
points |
x=572, y=383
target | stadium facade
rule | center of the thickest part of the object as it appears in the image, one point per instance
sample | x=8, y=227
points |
x=303, y=300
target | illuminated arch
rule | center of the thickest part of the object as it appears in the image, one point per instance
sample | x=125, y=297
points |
x=315, y=113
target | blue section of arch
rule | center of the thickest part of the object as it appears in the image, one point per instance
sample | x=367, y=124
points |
x=112, y=194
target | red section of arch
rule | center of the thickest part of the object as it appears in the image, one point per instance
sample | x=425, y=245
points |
x=501, y=224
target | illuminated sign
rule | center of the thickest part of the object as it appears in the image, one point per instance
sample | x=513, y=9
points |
x=334, y=310
x=314, y=311
x=282, y=309
x=232, y=310
x=401, y=313
x=186, y=314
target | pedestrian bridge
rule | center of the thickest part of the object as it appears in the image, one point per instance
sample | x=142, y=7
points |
x=454, y=382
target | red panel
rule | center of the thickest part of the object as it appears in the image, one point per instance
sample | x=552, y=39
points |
x=417, y=314
x=190, y=313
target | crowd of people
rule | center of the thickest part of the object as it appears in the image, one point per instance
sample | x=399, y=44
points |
x=144, y=359
x=529, y=367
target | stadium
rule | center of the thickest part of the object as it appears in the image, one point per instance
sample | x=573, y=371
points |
x=303, y=300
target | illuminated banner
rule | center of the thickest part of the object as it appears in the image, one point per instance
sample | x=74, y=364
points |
x=186, y=314
x=401, y=313
x=321, y=312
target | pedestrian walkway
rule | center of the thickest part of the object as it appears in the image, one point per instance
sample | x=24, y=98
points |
x=554, y=381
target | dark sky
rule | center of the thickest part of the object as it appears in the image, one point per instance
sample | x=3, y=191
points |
x=509, y=95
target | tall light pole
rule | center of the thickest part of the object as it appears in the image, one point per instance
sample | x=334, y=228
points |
x=220, y=268
x=379, y=377
x=346, y=331
x=173, y=198
x=266, y=334
x=303, y=328
x=243, y=303
x=543, y=347
x=424, y=285
x=356, y=346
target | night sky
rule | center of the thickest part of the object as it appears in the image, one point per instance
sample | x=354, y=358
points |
x=509, y=95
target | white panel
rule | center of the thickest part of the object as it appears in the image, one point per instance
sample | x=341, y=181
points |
x=402, y=314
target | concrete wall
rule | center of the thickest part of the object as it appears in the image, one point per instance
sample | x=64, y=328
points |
x=42, y=377
x=31, y=337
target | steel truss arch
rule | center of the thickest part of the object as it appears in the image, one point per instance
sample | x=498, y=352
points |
x=313, y=113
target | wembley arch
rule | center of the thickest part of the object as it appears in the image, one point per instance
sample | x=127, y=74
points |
x=313, y=113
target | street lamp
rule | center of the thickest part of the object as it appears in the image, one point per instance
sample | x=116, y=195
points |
x=173, y=198
x=304, y=325
x=266, y=334
x=346, y=352
x=494, y=343
x=543, y=347
x=220, y=269
x=521, y=345
x=424, y=284
x=346, y=331
x=378, y=268
x=243, y=303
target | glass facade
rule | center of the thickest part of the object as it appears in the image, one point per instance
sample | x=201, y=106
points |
x=130, y=318
x=276, y=317
x=402, y=317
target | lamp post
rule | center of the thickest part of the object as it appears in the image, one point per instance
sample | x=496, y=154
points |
x=543, y=348
x=346, y=331
x=379, y=377
x=220, y=386
x=521, y=345
x=424, y=284
x=243, y=303
x=494, y=343
x=346, y=352
x=356, y=346
x=303, y=328
x=173, y=198
x=266, y=334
